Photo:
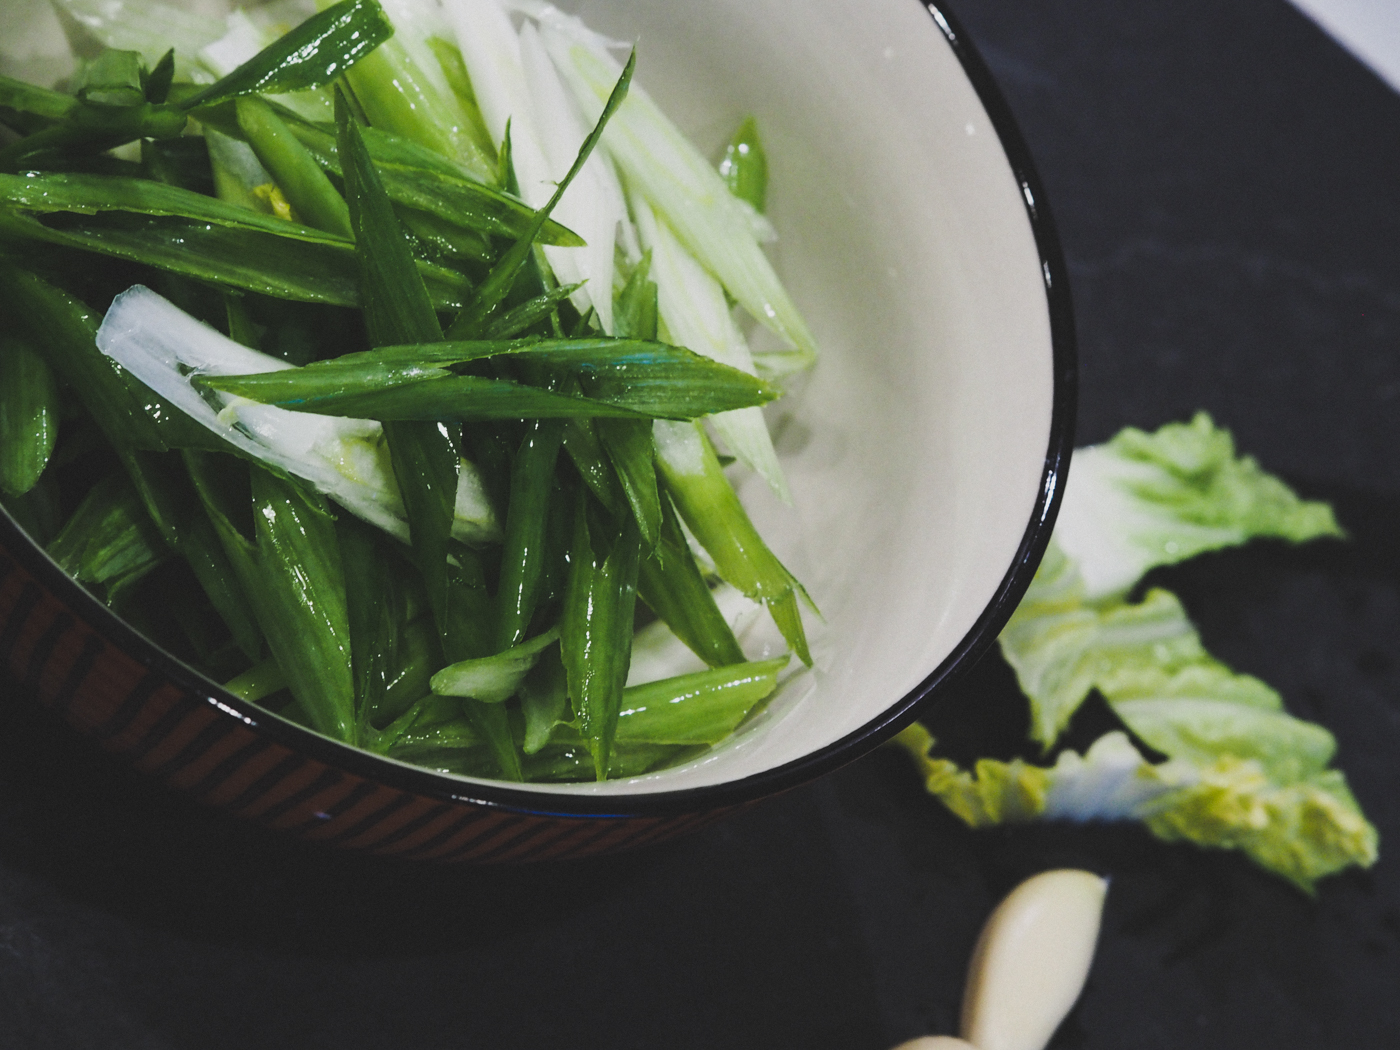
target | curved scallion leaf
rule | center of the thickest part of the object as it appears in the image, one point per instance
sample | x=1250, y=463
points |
x=280, y=263
x=29, y=412
x=624, y=378
x=311, y=55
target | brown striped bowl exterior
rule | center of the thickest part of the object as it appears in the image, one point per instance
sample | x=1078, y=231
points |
x=77, y=659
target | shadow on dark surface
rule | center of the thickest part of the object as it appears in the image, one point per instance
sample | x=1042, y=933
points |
x=196, y=922
x=1226, y=203
x=84, y=821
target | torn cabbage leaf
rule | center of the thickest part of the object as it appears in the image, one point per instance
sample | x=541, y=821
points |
x=1240, y=772
x=1141, y=500
x=1302, y=830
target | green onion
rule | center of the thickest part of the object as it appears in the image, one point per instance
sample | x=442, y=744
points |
x=397, y=310
x=311, y=55
x=596, y=630
x=700, y=708
x=493, y=679
x=28, y=416
x=299, y=177
x=711, y=509
x=109, y=543
x=291, y=569
x=475, y=611
x=671, y=584
x=523, y=554
x=745, y=166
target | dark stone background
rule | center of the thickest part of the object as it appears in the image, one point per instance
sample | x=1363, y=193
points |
x=1226, y=182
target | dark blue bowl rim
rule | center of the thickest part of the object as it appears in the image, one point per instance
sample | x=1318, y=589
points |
x=666, y=804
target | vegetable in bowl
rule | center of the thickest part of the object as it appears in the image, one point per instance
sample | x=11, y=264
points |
x=368, y=430
x=923, y=456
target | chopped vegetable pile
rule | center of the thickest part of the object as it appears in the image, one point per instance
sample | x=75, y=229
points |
x=362, y=365
x=1231, y=768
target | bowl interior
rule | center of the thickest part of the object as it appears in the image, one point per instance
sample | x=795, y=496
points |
x=915, y=450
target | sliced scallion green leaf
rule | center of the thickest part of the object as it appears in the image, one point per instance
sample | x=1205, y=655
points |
x=544, y=700
x=595, y=633
x=397, y=309
x=85, y=194
x=700, y=708
x=672, y=586
x=299, y=177
x=492, y=724
x=493, y=679
x=29, y=412
x=710, y=507
x=311, y=55
x=630, y=447
x=292, y=572
x=523, y=549
x=109, y=543
x=172, y=504
x=745, y=166
x=623, y=378
x=264, y=261
x=112, y=78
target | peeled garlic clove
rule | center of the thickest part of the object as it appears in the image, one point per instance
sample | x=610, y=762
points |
x=1031, y=960
x=936, y=1042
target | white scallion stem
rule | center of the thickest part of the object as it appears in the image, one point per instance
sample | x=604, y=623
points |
x=656, y=160
x=346, y=459
x=696, y=315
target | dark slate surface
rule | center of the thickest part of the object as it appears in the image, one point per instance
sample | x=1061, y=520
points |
x=1227, y=186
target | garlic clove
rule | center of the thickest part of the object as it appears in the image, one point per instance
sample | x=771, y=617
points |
x=1031, y=960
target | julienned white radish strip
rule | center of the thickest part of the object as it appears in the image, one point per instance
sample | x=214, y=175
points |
x=147, y=26
x=592, y=205
x=506, y=92
x=346, y=459
x=656, y=160
x=695, y=314
x=547, y=14
x=491, y=51
x=1032, y=959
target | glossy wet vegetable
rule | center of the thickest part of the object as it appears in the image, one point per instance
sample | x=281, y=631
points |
x=294, y=386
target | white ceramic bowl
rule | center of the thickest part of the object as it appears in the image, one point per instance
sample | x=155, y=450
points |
x=927, y=451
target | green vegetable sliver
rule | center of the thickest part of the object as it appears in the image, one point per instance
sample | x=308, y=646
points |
x=501, y=648
x=29, y=411
x=311, y=55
